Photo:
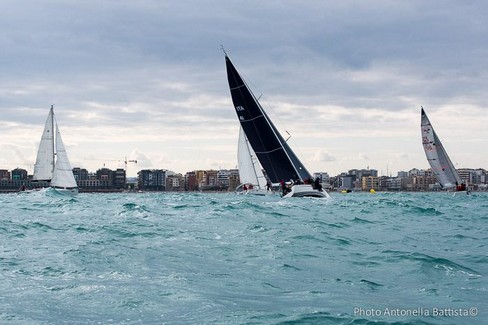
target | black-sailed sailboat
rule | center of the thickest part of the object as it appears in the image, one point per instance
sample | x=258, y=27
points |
x=438, y=159
x=281, y=164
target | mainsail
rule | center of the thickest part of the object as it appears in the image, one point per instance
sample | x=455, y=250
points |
x=249, y=169
x=44, y=167
x=439, y=161
x=274, y=154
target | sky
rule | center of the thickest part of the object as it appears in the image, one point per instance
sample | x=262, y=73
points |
x=145, y=80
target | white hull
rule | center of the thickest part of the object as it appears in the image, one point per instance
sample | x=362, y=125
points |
x=253, y=191
x=305, y=190
x=66, y=191
x=460, y=193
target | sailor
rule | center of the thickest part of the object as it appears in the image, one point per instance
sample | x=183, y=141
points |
x=317, y=184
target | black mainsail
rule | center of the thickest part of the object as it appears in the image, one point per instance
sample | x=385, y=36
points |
x=272, y=151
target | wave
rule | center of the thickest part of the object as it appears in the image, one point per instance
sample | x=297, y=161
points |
x=360, y=220
x=421, y=211
x=431, y=262
x=322, y=317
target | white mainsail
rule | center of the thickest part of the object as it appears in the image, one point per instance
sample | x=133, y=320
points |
x=437, y=157
x=63, y=173
x=44, y=167
x=249, y=168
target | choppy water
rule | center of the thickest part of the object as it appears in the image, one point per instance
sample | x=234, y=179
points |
x=166, y=258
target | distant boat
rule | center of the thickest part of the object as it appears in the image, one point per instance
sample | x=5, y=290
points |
x=438, y=159
x=52, y=163
x=280, y=163
x=251, y=176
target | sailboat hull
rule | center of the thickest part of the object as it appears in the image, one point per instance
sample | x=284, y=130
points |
x=305, y=190
x=258, y=192
x=460, y=193
x=65, y=191
x=255, y=190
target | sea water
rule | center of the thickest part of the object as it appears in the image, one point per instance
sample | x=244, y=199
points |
x=221, y=258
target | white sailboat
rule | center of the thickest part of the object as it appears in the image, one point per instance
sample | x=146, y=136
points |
x=52, y=163
x=438, y=159
x=251, y=175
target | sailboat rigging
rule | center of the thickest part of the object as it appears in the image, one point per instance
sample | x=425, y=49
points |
x=437, y=157
x=273, y=152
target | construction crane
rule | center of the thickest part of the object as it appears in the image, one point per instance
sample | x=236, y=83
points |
x=125, y=161
x=128, y=161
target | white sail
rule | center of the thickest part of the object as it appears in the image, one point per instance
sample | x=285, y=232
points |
x=63, y=173
x=437, y=157
x=249, y=168
x=44, y=167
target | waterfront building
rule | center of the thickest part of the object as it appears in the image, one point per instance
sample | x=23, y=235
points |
x=80, y=174
x=347, y=182
x=426, y=182
x=175, y=182
x=191, y=182
x=120, y=178
x=4, y=175
x=19, y=174
x=397, y=183
x=234, y=180
x=152, y=180
x=402, y=174
x=370, y=182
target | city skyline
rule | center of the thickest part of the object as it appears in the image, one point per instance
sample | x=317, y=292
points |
x=352, y=171
x=146, y=81
x=107, y=180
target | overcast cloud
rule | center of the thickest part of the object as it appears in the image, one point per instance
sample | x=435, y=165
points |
x=146, y=80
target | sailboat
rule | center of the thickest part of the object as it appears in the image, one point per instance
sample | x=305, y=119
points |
x=52, y=163
x=438, y=159
x=280, y=163
x=251, y=175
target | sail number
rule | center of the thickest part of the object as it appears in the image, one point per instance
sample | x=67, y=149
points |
x=240, y=108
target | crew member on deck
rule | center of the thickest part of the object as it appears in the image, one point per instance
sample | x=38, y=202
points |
x=317, y=184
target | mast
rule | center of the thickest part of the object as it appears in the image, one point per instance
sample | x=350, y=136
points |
x=51, y=111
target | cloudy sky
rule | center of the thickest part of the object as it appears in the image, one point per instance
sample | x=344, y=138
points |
x=146, y=80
